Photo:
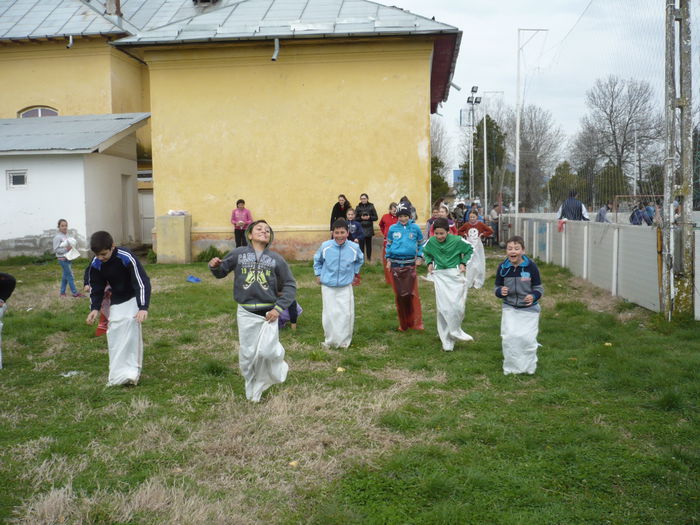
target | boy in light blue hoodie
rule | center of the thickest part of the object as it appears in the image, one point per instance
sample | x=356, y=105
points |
x=336, y=263
x=404, y=251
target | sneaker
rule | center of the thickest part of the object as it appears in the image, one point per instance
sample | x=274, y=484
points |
x=78, y=295
x=62, y=295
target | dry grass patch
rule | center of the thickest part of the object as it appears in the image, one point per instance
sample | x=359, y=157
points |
x=55, y=343
x=56, y=469
x=28, y=450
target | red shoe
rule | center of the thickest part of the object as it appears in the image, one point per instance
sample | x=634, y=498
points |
x=78, y=295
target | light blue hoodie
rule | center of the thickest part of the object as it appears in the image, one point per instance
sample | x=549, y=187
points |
x=404, y=243
x=337, y=264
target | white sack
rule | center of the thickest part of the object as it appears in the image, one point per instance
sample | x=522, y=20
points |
x=125, y=344
x=450, y=299
x=260, y=356
x=338, y=316
x=519, y=328
x=3, y=308
x=476, y=268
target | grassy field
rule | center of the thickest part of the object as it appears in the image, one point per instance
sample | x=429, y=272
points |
x=392, y=430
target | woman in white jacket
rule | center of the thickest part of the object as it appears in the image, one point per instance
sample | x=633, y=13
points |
x=62, y=244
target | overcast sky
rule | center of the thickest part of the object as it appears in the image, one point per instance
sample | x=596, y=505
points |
x=623, y=37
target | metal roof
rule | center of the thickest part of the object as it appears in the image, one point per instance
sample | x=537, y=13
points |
x=73, y=134
x=266, y=19
x=177, y=21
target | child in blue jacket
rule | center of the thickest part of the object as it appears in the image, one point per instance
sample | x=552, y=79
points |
x=355, y=231
x=336, y=263
x=404, y=251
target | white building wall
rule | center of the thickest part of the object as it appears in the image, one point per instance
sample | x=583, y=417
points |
x=601, y=247
x=638, y=266
x=54, y=190
x=111, y=200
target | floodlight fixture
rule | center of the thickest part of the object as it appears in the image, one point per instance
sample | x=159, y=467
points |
x=477, y=100
x=470, y=100
x=475, y=89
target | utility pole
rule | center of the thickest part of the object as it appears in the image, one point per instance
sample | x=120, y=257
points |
x=678, y=288
x=518, y=111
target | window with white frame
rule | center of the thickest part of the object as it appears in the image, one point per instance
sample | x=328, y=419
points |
x=37, y=111
x=16, y=179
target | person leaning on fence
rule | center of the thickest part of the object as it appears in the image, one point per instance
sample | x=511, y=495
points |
x=404, y=251
x=7, y=286
x=519, y=285
x=573, y=209
x=602, y=215
x=336, y=263
x=639, y=216
x=263, y=286
x=131, y=294
x=447, y=256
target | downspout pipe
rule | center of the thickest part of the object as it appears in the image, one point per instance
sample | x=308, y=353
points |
x=70, y=42
x=277, y=50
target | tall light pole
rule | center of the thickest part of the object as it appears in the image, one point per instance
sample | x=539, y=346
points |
x=472, y=101
x=518, y=111
x=486, y=163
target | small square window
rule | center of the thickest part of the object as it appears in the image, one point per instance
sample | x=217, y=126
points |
x=16, y=178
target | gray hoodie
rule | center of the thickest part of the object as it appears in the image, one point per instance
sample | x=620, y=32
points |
x=259, y=283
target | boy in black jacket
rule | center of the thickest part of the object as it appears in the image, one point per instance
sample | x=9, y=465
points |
x=131, y=294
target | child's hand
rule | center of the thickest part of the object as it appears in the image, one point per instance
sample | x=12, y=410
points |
x=356, y=241
x=215, y=262
x=272, y=315
x=92, y=316
x=388, y=265
x=463, y=268
x=430, y=268
x=504, y=291
x=318, y=279
x=419, y=261
x=141, y=315
x=528, y=299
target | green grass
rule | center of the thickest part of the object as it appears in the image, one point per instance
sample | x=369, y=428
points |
x=392, y=430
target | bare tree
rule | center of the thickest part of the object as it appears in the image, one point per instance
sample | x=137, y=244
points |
x=620, y=112
x=440, y=144
x=540, y=144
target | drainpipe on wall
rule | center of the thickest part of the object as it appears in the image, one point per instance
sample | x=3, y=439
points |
x=70, y=42
x=277, y=50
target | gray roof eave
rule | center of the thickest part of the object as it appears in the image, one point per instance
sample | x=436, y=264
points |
x=134, y=42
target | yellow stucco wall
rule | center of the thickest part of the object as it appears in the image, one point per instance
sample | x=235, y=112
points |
x=89, y=78
x=289, y=136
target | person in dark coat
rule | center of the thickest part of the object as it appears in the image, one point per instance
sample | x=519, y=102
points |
x=573, y=209
x=340, y=210
x=367, y=215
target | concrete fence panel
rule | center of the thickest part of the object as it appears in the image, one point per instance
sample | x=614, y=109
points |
x=638, y=266
x=602, y=263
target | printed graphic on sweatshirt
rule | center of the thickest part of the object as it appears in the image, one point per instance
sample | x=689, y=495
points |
x=256, y=271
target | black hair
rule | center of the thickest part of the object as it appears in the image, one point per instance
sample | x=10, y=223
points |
x=101, y=241
x=441, y=223
x=340, y=223
x=517, y=239
x=240, y=201
x=572, y=194
x=58, y=224
x=364, y=195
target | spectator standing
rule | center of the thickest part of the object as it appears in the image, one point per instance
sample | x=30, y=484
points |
x=62, y=244
x=639, y=216
x=367, y=215
x=340, y=210
x=573, y=209
x=602, y=215
x=241, y=218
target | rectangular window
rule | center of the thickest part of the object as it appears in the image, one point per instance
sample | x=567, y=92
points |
x=16, y=178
